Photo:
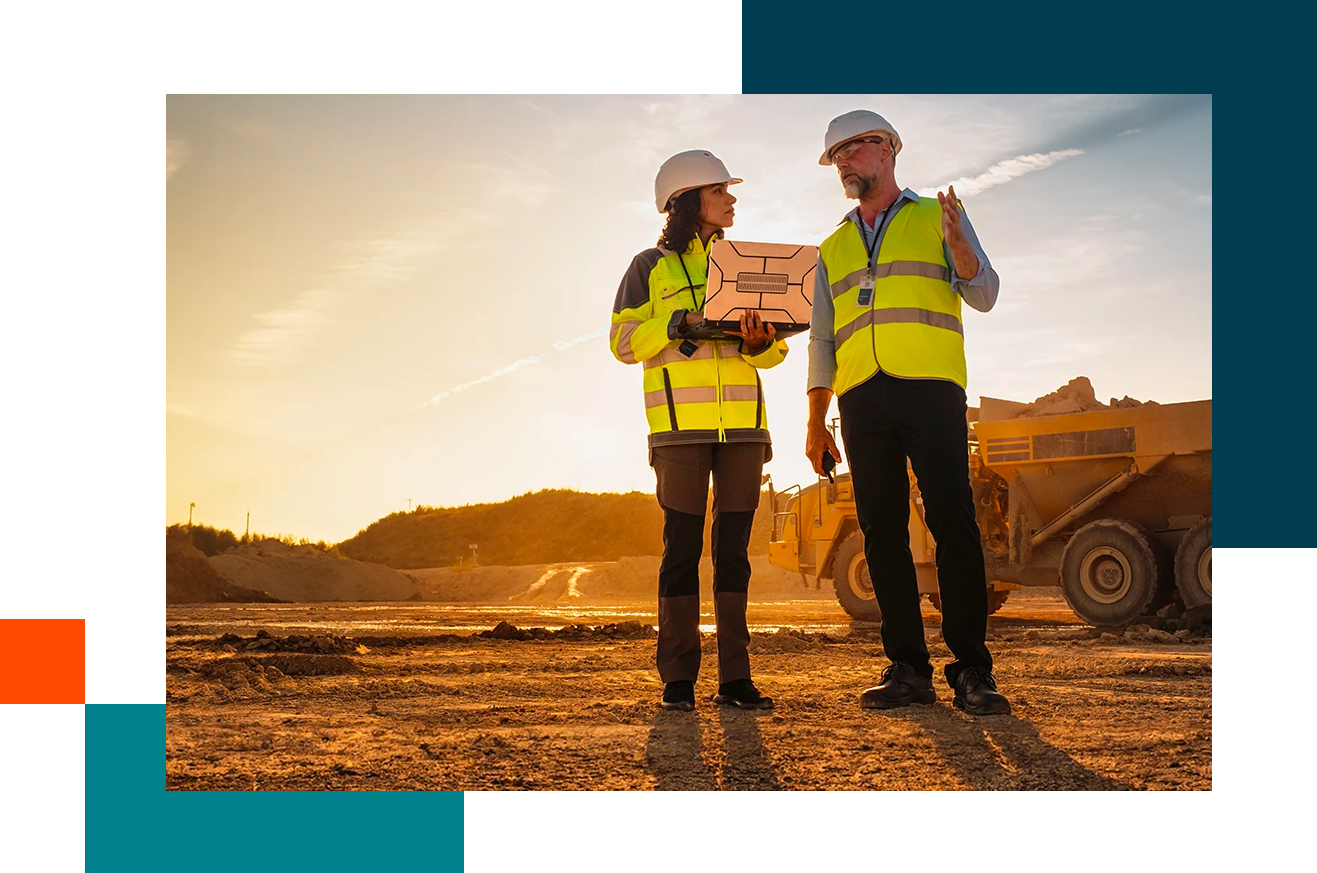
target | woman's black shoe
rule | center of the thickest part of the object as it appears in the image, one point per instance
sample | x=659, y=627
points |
x=679, y=695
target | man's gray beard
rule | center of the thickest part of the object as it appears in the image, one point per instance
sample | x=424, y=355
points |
x=857, y=188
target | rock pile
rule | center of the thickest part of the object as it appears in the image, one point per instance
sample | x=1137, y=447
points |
x=1077, y=395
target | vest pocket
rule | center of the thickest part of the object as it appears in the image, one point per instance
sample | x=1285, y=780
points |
x=672, y=407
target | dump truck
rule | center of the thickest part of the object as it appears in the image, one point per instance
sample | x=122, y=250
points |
x=1113, y=505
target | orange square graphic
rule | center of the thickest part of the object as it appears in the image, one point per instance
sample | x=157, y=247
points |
x=43, y=660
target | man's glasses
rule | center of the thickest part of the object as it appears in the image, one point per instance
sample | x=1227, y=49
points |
x=846, y=152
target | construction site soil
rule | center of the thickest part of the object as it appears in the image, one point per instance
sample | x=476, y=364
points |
x=554, y=688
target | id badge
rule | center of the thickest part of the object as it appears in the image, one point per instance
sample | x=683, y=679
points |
x=866, y=290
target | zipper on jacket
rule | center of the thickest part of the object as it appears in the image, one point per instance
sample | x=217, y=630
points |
x=718, y=382
x=672, y=407
x=759, y=401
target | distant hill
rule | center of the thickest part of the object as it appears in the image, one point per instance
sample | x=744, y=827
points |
x=543, y=527
x=190, y=578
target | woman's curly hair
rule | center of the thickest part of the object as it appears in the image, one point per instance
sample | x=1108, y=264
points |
x=683, y=222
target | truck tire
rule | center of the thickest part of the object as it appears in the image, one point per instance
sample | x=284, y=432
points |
x=1193, y=565
x=1110, y=574
x=996, y=600
x=850, y=579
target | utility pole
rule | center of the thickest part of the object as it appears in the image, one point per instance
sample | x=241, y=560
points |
x=248, y=535
x=190, y=507
x=409, y=504
x=473, y=548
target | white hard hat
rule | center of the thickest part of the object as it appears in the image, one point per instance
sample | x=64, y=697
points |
x=686, y=170
x=854, y=125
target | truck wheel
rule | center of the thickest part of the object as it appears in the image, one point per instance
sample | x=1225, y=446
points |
x=1109, y=572
x=850, y=579
x=1193, y=565
x=996, y=600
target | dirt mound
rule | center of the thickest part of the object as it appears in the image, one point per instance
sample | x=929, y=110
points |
x=323, y=645
x=307, y=574
x=627, y=579
x=190, y=578
x=1077, y=395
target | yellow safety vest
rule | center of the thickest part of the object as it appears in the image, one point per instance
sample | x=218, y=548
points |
x=911, y=327
x=696, y=391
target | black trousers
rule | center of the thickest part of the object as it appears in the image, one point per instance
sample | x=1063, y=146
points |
x=683, y=473
x=885, y=420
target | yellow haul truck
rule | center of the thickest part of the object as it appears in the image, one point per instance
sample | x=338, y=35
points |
x=1114, y=505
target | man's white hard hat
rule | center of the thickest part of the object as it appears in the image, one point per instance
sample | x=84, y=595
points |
x=855, y=125
x=686, y=170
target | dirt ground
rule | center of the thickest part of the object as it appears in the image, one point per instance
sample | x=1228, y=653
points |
x=409, y=696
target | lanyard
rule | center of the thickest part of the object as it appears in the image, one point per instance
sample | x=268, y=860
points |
x=878, y=235
x=689, y=283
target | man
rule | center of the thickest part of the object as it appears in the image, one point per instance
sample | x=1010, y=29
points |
x=886, y=336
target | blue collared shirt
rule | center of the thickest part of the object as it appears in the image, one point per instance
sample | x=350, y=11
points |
x=979, y=292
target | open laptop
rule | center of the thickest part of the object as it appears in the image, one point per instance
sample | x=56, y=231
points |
x=774, y=278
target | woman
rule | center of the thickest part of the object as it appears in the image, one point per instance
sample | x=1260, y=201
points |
x=704, y=402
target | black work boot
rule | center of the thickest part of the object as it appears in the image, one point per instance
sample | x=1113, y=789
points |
x=900, y=685
x=679, y=695
x=976, y=693
x=742, y=694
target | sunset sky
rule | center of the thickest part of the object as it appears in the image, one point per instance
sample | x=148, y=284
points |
x=377, y=299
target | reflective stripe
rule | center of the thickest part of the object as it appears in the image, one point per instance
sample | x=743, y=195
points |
x=622, y=332
x=894, y=268
x=740, y=392
x=846, y=283
x=702, y=394
x=844, y=332
x=899, y=315
x=673, y=355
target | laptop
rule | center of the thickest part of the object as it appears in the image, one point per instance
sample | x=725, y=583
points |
x=774, y=278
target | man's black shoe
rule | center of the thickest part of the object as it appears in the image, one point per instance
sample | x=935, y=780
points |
x=976, y=693
x=679, y=695
x=742, y=694
x=900, y=685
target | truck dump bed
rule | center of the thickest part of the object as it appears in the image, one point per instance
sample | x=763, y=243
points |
x=1150, y=464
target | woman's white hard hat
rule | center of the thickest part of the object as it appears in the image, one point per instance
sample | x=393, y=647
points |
x=685, y=171
x=856, y=125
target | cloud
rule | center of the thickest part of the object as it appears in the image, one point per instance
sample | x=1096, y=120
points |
x=1132, y=130
x=367, y=265
x=1045, y=265
x=560, y=345
x=389, y=256
x=529, y=104
x=284, y=330
x=563, y=345
x=1203, y=199
x=1004, y=171
x=488, y=377
x=177, y=152
x=250, y=127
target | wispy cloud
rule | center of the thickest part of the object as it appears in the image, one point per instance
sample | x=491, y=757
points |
x=1004, y=171
x=1131, y=131
x=560, y=345
x=282, y=331
x=530, y=104
x=177, y=152
x=1062, y=261
x=563, y=345
x=389, y=256
x=250, y=127
x=367, y=265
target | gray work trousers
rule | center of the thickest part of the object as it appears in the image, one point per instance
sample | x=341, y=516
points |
x=683, y=473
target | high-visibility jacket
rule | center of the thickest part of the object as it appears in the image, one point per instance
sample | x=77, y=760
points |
x=696, y=390
x=911, y=324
